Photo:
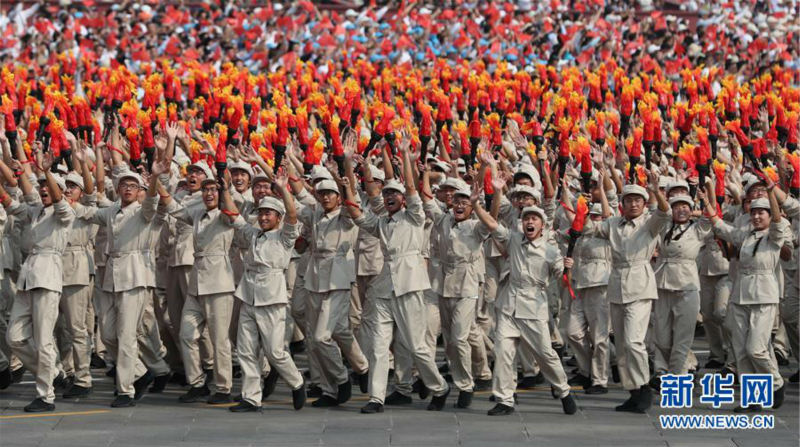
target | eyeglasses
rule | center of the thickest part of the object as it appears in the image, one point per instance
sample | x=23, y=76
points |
x=128, y=186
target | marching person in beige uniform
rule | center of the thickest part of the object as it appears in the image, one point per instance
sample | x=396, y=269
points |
x=458, y=280
x=46, y=217
x=396, y=294
x=264, y=296
x=78, y=275
x=756, y=291
x=522, y=308
x=328, y=279
x=129, y=274
x=209, y=302
x=715, y=288
x=632, y=285
x=589, y=318
x=8, y=252
x=678, y=282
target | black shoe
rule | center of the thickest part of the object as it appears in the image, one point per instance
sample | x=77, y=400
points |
x=123, y=401
x=61, y=382
x=325, y=401
x=445, y=368
x=420, y=388
x=750, y=409
x=778, y=396
x=363, y=382
x=5, y=378
x=219, y=398
x=655, y=383
x=112, y=372
x=572, y=361
x=530, y=381
x=596, y=389
x=500, y=410
x=344, y=392
x=16, y=375
x=448, y=378
x=397, y=398
x=76, y=391
x=560, y=350
x=580, y=380
x=236, y=372
x=159, y=383
x=713, y=364
x=38, y=406
x=645, y=399
x=244, y=407
x=141, y=384
x=296, y=347
x=209, y=375
x=299, y=397
x=97, y=362
x=725, y=371
x=314, y=391
x=569, y=405
x=615, y=373
x=554, y=392
x=372, y=408
x=464, y=399
x=630, y=404
x=793, y=379
x=195, y=394
x=483, y=384
x=269, y=383
x=782, y=360
x=178, y=378
x=437, y=402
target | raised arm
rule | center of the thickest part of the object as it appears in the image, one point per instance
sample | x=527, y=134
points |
x=486, y=219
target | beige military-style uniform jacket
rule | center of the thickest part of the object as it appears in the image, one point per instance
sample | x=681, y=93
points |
x=44, y=238
x=212, y=235
x=679, y=246
x=402, y=237
x=460, y=254
x=759, y=257
x=78, y=258
x=332, y=263
x=263, y=282
x=633, y=243
x=531, y=265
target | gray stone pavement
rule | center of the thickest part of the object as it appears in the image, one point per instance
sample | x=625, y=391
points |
x=160, y=420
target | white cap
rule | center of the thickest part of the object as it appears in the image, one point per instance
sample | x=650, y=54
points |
x=131, y=175
x=529, y=171
x=271, y=203
x=682, y=198
x=59, y=180
x=319, y=173
x=326, y=185
x=631, y=189
x=394, y=185
x=377, y=173
x=76, y=179
x=536, y=210
x=241, y=166
x=596, y=208
x=677, y=184
x=525, y=189
x=760, y=204
x=202, y=166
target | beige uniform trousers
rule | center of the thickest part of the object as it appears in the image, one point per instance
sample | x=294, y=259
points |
x=75, y=306
x=328, y=315
x=712, y=297
x=509, y=333
x=177, y=291
x=790, y=313
x=151, y=348
x=173, y=352
x=211, y=312
x=262, y=330
x=8, y=290
x=587, y=331
x=100, y=302
x=30, y=336
x=404, y=370
x=525, y=356
x=297, y=308
x=629, y=322
x=122, y=312
x=751, y=329
x=458, y=317
x=673, y=326
x=400, y=319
